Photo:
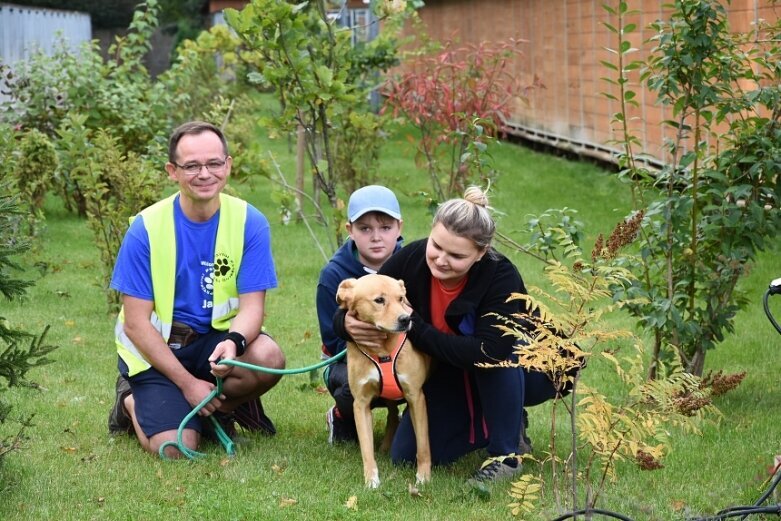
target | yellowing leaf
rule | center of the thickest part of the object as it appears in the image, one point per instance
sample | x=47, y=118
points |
x=287, y=502
x=351, y=503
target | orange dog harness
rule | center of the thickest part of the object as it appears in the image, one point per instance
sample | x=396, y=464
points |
x=390, y=387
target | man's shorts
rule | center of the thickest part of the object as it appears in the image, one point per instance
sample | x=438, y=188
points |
x=159, y=404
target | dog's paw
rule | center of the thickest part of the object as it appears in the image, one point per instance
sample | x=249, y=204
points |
x=373, y=481
x=421, y=479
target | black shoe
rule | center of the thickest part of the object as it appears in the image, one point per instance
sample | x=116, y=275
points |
x=250, y=416
x=525, y=443
x=226, y=421
x=339, y=429
x=118, y=420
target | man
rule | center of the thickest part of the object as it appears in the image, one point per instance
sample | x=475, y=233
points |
x=193, y=271
x=374, y=226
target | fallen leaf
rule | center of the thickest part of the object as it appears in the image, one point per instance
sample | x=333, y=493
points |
x=414, y=491
x=678, y=505
x=321, y=389
x=70, y=450
x=70, y=323
x=352, y=503
x=224, y=462
x=77, y=340
x=287, y=502
x=277, y=469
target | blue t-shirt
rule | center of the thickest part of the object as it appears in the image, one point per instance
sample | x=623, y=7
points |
x=195, y=244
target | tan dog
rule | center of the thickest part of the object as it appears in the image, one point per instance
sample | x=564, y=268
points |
x=380, y=300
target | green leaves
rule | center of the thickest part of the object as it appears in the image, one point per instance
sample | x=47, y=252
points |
x=715, y=202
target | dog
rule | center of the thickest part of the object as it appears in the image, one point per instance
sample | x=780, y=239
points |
x=380, y=300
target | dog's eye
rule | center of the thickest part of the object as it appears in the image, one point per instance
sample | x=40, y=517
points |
x=379, y=300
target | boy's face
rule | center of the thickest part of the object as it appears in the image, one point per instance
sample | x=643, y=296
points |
x=375, y=235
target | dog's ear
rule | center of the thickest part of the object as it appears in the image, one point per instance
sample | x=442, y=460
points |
x=401, y=285
x=344, y=294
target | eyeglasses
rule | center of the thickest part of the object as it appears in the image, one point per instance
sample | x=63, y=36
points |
x=213, y=167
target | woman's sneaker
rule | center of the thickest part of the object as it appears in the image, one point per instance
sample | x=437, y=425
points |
x=493, y=470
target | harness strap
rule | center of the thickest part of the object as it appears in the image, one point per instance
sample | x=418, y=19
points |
x=390, y=387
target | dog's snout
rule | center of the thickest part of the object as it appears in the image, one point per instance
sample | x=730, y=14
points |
x=404, y=321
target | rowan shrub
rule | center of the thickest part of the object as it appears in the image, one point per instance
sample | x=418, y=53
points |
x=457, y=98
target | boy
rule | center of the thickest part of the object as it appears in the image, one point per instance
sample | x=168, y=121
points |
x=374, y=225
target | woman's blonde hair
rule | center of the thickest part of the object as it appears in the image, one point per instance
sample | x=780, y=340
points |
x=468, y=217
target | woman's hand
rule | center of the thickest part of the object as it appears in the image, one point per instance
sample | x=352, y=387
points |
x=364, y=333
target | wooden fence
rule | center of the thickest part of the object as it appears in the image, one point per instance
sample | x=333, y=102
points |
x=566, y=42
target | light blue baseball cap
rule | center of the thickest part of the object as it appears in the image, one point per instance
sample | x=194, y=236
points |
x=373, y=198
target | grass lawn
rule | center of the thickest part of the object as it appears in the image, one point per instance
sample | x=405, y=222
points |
x=71, y=469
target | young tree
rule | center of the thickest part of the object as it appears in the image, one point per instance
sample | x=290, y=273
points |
x=457, y=98
x=319, y=77
x=715, y=203
x=19, y=351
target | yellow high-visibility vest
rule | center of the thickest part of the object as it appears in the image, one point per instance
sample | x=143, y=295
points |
x=228, y=251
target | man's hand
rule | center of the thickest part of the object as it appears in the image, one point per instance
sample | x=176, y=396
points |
x=225, y=350
x=364, y=333
x=197, y=390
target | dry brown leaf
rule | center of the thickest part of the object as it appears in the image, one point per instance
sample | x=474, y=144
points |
x=287, y=502
x=352, y=503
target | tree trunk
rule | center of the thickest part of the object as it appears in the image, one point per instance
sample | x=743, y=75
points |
x=697, y=362
x=300, y=169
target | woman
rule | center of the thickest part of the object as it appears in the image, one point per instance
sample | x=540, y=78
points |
x=458, y=286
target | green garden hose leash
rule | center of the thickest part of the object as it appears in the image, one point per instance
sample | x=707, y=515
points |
x=223, y=438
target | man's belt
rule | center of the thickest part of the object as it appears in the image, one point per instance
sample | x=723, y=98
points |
x=182, y=335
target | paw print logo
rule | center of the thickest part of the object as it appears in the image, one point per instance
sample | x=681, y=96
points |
x=223, y=267
x=207, y=281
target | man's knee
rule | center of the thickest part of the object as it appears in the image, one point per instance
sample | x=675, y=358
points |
x=190, y=440
x=265, y=352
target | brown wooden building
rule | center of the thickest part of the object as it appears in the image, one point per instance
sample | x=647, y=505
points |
x=566, y=42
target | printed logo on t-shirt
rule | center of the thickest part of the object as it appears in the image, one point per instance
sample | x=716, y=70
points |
x=207, y=278
x=216, y=271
